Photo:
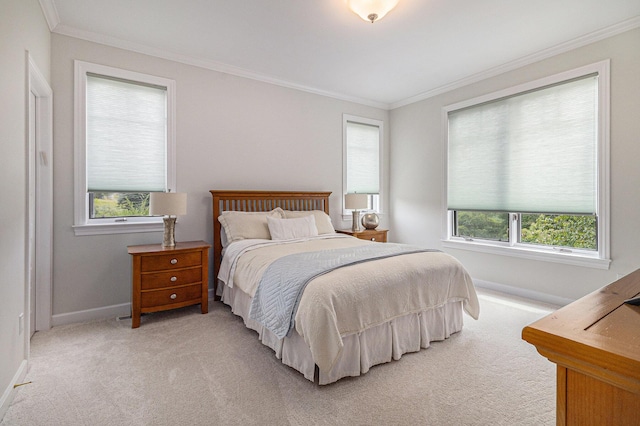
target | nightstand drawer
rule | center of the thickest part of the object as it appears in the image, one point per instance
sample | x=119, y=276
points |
x=380, y=237
x=171, y=278
x=158, y=298
x=377, y=235
x=170, y=261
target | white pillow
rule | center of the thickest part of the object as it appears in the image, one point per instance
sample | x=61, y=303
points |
x=323, y=221
x=245, y=225
x=286, y=229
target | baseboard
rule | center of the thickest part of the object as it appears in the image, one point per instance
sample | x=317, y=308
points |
x=10, y=392
x=112, y=311
x=122, y=310
x=525, y=293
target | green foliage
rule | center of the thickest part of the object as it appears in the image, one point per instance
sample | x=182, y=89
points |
x=120, y=204
x=485, y=225
x=560, y=230
x=135, y=204
x=573, y=231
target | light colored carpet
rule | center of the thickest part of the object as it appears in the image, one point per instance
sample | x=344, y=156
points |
x=185, y=368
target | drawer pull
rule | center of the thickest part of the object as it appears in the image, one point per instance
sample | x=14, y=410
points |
x=174, y=261
x=173, y=296
x=174, y=279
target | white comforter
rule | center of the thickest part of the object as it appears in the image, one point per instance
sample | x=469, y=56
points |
x=354, y=298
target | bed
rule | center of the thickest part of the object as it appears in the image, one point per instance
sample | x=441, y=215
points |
x=346, y=319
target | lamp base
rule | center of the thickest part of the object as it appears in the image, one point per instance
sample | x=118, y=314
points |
x=355, y=226
x=169, y=237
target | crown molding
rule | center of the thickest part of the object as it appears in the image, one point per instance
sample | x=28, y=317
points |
x=204, y=63
x=593, y=37
x=50, y=13
x=53, y=20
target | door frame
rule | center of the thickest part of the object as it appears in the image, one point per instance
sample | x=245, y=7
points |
x=43, y=209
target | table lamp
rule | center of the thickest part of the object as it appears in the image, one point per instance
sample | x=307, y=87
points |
x=356, y=202
x=170, y=205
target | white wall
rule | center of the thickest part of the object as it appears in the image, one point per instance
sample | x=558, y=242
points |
x=232, y=133
x=417, y=171
x=22, y=28
x=237, y=133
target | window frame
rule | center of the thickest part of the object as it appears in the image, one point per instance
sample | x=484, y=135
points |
x=599, y=259
x=83, y=224
x=376, y=201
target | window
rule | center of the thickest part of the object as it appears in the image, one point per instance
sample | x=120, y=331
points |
x=124, y=148
x=527, y=170
x=362, y=142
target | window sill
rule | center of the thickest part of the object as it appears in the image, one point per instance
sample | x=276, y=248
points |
x=118, y=228
x=576, y=259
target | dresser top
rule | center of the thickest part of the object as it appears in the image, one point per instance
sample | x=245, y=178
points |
x=597, y=333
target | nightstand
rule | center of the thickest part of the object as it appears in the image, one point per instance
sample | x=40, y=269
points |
x=169, y=277
x=379, y=235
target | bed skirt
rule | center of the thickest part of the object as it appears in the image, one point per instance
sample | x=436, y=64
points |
x=363, y=350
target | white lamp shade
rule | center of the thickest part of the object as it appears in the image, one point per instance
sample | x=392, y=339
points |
x=367, y=8
x=168, y=203
x=356, y=201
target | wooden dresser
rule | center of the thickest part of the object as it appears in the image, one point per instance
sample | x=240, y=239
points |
x=595, y=341
x=379, y=235
x=168, y=278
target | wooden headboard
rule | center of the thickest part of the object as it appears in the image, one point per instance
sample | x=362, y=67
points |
x=259, y=201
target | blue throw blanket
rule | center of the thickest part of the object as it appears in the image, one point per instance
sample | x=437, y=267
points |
x=280, y=289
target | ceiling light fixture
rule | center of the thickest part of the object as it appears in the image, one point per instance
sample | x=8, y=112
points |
x=371, y=10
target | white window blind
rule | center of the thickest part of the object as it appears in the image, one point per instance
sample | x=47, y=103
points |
x=126, y=127
x=363, y=158
x=534, y=152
